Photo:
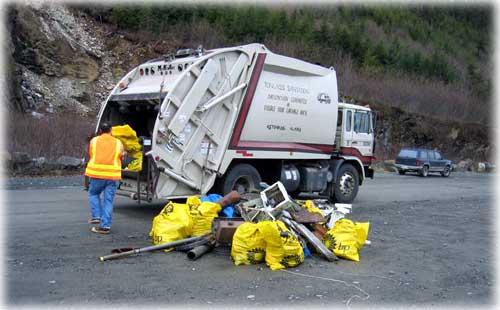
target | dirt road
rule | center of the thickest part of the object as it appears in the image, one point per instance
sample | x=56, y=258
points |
x=432, y=245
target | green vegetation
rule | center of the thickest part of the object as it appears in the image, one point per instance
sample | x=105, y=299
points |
x=428, y=59
x=443, y=43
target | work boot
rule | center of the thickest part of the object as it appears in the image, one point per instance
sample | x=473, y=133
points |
x=94, y=221
x=100, y=230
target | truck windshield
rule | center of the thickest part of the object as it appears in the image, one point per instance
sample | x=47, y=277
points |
x=361, y=122
x=408, y=153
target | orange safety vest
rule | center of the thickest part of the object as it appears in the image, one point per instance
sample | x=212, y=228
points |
x=105, y=162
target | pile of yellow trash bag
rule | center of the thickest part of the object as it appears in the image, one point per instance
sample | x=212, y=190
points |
x=267, y=240
x=131, y=144
x=253, y=243
x=183, y=220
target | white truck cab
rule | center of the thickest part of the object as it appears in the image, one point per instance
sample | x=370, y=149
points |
x=356, y=127
x=229, y=118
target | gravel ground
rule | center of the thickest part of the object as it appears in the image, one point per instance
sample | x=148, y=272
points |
x=432, y=246
x=44, y=182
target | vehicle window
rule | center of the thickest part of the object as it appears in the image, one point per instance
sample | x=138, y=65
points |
x=423, y=155
x=437, y=156
x=408, y=153
x=431, y=155
x=339, y=118
x=361, y=122
x=348, y=121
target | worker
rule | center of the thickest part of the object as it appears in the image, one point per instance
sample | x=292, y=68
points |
x=104, y=170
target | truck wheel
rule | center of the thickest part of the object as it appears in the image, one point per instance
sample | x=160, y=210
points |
x=243, y=178
x=347, y=184
x=401, y=172
x=424, y=171
x=446, y=172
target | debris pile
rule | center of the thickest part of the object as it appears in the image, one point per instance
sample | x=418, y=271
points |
x=268, y=227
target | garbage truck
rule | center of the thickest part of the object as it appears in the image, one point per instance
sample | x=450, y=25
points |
x=213, y=121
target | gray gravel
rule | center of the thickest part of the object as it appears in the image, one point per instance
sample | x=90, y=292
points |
x=432, y=245
x=44, y=182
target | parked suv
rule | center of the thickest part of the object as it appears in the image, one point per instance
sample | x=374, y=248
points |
x=422, y=161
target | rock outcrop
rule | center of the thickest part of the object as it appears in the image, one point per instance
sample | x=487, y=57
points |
x=60, y=59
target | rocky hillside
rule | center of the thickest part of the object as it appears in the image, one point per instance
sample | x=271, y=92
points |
x=64, y=59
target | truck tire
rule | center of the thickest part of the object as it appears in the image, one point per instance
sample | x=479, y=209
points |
x=424, y=171
x=347, y=184
x=401, y=172
x=243, y=178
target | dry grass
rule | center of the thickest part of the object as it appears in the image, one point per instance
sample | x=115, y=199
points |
x=415, y=95
x=49, y=137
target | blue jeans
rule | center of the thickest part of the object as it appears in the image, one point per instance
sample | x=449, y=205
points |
x=104, y=210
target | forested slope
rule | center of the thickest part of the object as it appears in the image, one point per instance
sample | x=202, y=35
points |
x=431, y=60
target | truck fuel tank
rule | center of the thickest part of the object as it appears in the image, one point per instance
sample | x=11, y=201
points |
x=290, y=177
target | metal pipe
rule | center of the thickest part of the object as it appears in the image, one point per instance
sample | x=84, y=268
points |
x=133, y=196
x=221, y=98
x=179, y=178
x=124, y=194
x=199, y=251
x=139, y=187
x=153, y=248
x=309, y=236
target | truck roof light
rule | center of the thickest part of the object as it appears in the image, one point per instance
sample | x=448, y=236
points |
x=157, y=158
x=141, y=71
x=185, y=52
x=121, y=85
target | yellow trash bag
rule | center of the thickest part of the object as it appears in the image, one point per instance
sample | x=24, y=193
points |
x=173, y=223
x=128, y=137
x=203, y=216
x=346, y=238
x=283, y=250
x=193, y=202
x=131, y=144
x=136, y=164
x=248, y=246
x=311, y=207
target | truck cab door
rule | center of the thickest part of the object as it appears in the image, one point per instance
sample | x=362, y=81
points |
x=347, y=128
x=362, y=135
